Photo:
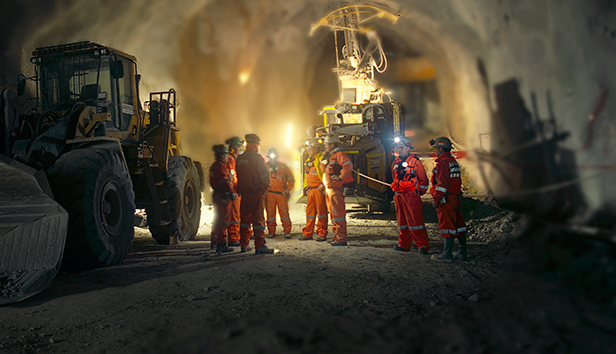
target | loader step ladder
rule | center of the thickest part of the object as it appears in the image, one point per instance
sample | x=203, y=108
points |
x=158, y=193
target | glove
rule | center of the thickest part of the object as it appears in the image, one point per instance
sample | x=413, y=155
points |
x=285, y=192
x=335, y=178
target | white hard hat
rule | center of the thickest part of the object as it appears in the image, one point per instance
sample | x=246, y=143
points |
x=331, y=139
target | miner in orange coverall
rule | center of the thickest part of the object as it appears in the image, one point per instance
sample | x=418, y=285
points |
x=447, y=199
x=253, y=180
x=337, y=169
x=220, y=180
x=236, y=147
x=316, y=205
x=410, y=183
x=277, y=196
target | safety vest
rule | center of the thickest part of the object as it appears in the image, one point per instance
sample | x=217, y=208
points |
x=409, y=175
x=337, y=164
x=220, y=178
x=314, y=174
x=281, y=177
x=446, y=177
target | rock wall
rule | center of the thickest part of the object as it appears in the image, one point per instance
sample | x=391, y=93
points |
x=518, y=79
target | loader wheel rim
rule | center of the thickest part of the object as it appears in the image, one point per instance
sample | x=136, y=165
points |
x=112, y=208
x=189, y=201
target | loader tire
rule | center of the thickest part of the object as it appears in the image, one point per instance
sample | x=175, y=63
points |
x=94, y=186
x=184, y=198
x=201, y=172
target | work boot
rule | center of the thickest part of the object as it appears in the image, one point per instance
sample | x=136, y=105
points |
x=271, y=236
x=234, y=244
x=245, y=249
x=223, y=248
x=264, y=250
x=423, y=251
x=287, y=235
x=446, y=256
x=398, y=248
x=303, y=238
x=461, y=254
x=174, y=239
x=213, y=246
x=321, y=239
x=338, y=243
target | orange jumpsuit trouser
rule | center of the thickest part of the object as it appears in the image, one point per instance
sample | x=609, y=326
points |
x=337, y=213
x=222, y=213
x=234, y=220
x=409, y=213
x=274, y=201
x=252, y=214
x=316, y=213
x=450, y=220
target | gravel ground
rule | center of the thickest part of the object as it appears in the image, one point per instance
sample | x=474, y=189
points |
x=311, y=297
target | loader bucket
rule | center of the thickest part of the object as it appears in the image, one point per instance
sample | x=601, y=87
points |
x=32, y=233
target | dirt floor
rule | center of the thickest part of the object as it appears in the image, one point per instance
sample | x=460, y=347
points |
x=311, y=297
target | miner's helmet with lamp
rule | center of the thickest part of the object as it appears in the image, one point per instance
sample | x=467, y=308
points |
x=314, y=143
x=402, y=141
x=236, y=140
x=220, y=149
x=331, y=139
x=272, y=153
x=252, y=139
x=441, y=142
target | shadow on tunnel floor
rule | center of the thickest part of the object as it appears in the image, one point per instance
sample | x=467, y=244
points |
x=557, y=297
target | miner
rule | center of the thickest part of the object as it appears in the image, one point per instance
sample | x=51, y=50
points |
x=236, y=147
x=316, y=205
x=337, y=171
x=409, y=184
x=277, y=196
x=253, y=180
x=447, y=199
x=223, y=196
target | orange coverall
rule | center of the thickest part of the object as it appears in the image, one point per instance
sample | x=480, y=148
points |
x=281, y=178
x=234, y=220
x=410, y=183
x=446, y=191
x=338, y=160
x=220, y=180
x=253, y=179
x=316, y=205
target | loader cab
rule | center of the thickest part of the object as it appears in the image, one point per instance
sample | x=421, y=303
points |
x=91, y=74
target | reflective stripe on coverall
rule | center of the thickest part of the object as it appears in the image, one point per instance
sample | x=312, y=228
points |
x=334, y=195
x=410, y=182
x=316, y=205
x=220, y=180
x=234, y=220
x=446, y=183
x=281, y=178
x=253, y=179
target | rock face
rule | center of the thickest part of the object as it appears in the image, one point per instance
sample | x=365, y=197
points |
x=32, y=235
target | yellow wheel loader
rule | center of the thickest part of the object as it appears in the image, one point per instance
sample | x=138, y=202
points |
x=91, y=145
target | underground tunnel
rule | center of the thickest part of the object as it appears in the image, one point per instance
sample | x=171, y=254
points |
x=521, y=87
